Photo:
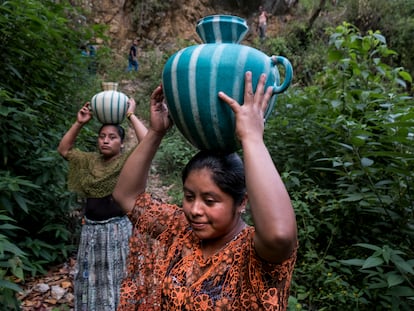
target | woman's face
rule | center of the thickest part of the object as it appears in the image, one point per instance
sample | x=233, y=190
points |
x=109, y=141
x=210, y=211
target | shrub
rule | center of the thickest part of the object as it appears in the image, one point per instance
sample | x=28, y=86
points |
x=345, y=146
x=39, y=66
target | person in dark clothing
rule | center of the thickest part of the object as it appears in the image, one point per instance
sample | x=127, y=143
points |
x=132, y=57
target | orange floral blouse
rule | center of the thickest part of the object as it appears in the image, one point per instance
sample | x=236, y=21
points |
x=167, y=271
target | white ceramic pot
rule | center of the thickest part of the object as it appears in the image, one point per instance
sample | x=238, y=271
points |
x=109, y=107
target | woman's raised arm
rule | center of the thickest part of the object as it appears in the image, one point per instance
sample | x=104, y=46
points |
x=273, y=215
x=139, y=127
x=67, y=142
x=134, y=175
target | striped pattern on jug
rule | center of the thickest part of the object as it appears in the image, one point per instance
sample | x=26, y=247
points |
x=109, y=107
x=192, y=79
x=222, y=29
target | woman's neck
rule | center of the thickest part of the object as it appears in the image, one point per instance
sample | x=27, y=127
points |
x=108, y=159
x=213, y=246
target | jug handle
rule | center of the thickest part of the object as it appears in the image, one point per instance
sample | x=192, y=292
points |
x=280, y=60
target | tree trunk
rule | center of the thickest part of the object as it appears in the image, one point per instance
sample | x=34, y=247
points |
x=315, y=14
x=279, y=7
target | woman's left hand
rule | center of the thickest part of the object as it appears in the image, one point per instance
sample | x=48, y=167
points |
x=131, y=105
x=250, y=115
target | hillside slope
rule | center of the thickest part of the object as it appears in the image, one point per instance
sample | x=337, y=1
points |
x=163, y=25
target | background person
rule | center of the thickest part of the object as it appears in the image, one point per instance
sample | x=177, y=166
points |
x=103, y=246
x=132, y=56
x=204, y=255
x=84, y=50
x=93, y=62
x=262, y=23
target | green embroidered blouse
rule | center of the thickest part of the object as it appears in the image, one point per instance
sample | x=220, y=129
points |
x=90, y=175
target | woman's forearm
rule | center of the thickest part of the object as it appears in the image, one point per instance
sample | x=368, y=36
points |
x=134, y=175
x=68, y=140
x=139, y=128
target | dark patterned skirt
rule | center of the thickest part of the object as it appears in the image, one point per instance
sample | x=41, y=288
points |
x=101, y=263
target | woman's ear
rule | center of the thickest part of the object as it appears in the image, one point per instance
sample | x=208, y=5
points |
x=243, y=205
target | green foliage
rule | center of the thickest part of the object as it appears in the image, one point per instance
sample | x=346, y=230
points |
x=346, y=147
x=305, y=41
x=175, y=151
x=172, y=156
x=151, y=66
x=41, y=69
x=398, y=27
x=388, y=276
x=110, y=68
x=11, y=266
x=301, y=46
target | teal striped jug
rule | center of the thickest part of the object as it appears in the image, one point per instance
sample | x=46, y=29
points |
x=109, y=107
x=193, y=76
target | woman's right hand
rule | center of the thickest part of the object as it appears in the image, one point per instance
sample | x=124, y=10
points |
x=84, y=114
x=160, y=120
x=68, y=140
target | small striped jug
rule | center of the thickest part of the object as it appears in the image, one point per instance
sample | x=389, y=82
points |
x=109, y=107
x=193, y=76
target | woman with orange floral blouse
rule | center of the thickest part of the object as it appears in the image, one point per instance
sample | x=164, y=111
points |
x=203, y=256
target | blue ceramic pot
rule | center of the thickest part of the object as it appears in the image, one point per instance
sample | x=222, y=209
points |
x=193, y=77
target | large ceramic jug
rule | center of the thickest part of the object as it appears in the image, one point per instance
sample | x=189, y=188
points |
x=193, y=76
x=109, y=107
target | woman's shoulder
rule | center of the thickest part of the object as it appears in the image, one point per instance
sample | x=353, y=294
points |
x=151, y=214
x=245, y=246
x=76, y=153
x=155, y=207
